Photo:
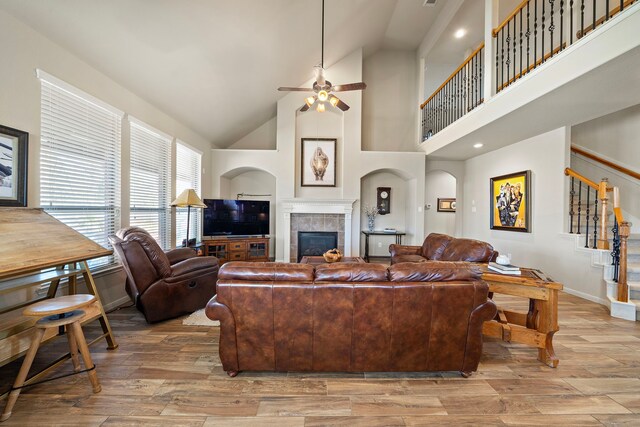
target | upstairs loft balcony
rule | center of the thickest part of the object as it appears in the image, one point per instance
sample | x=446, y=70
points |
x=545, y=67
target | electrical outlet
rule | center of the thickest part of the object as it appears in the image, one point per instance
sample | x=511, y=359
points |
x=379, y=244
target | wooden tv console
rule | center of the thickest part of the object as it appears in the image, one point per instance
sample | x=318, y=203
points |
x=237, y=248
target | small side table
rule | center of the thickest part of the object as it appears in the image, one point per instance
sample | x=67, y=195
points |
x=397, y=234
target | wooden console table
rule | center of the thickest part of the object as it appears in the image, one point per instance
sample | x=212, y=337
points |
x=535, y=327
x=36, y=249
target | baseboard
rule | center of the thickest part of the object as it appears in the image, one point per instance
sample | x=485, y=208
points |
x=117, y=303
x=588, y=297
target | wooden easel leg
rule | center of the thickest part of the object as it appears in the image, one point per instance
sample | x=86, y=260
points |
x=22, y=374
x=86, y=356
x=104, y=322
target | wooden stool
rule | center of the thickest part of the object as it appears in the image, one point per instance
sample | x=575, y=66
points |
x=56, y=312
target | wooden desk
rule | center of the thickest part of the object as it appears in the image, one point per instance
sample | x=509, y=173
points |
x=397, y=234
x=317, y=260
x=37, y=249
x=537, y=326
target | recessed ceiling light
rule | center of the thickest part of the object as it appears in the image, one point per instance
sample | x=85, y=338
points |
x=478, y=145
x=460, y=33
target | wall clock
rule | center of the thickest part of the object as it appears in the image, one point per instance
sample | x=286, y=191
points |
x=384, y=200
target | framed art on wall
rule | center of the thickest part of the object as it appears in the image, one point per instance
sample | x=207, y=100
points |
x=511, y=202
x=446, y=205
x=13, y=166
x=318, y=167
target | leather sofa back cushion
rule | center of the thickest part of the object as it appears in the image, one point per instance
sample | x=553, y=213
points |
x=467, y=250
x=351, y=273
x=266, y=272
x=434, y=271
x=434, y=245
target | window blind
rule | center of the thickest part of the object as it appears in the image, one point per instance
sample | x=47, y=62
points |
x=188, y=166
x=150, y=182
x=80, y=161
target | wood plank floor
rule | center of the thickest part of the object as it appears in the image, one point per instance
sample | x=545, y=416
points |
x=170, y=374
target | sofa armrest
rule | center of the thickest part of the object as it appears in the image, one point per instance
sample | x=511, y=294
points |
x=193, y=264
x=482, y=313
x=228, y=343
x=404, y=250
x=180, y=254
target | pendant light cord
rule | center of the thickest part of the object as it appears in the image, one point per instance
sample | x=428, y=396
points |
x=322, y=57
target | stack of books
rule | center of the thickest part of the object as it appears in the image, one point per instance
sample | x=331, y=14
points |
x=389, y=230
x=505, y=268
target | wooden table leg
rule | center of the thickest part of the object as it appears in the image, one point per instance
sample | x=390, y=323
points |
x=548, y=325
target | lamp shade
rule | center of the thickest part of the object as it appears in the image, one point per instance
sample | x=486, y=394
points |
x=188, y=198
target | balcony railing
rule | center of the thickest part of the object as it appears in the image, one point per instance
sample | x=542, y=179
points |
x=533, y=33
x=537, y=30
x=460, y=93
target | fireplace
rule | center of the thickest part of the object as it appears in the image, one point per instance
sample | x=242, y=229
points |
x=314, y=243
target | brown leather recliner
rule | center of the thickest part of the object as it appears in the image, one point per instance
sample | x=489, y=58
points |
x=164, y=285
x=441, y=247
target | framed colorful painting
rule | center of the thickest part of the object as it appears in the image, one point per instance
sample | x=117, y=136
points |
x=13, y=167
x=511, y=202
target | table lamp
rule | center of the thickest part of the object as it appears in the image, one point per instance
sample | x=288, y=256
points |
x=188, y=198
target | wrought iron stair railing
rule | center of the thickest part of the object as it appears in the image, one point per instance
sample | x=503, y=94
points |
x=585, y=193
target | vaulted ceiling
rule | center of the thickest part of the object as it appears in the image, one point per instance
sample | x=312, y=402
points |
x=215, y=64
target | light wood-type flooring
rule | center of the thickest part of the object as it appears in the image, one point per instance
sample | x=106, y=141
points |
x=170, y=374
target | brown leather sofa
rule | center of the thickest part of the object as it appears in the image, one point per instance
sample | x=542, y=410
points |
x=164, y=285
x=350, y=317
x=441, y=247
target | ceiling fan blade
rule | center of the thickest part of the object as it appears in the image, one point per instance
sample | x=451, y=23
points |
x=349, y=86
x=295, y=89
x=304, y=108
x=341, y=105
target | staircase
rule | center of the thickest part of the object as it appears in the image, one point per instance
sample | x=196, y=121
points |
x=629, y=310
x=633, y=271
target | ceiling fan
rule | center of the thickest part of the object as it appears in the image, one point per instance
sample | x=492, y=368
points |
x=324, y=90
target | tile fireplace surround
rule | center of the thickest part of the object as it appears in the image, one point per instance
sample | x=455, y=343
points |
x=316, y=215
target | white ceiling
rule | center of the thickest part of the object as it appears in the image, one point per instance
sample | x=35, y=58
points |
x=215, y=64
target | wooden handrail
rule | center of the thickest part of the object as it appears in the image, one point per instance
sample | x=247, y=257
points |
x=466, y=61
x=605, y=162
x=614, y=11
x=532, y=66
x=508, y=18
x=571, y=172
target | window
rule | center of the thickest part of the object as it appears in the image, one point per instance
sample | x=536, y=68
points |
x=187, y=176
x=80, y=161
x=150, y=182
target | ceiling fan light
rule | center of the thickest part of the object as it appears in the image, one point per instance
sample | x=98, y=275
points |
x=334, y=100
x=323, y=95
x=310, y=100
x=320, y=107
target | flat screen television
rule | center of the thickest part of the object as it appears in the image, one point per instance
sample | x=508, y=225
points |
x=235, y=217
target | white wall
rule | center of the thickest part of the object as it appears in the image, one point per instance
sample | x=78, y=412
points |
x=546, y=247
x=439, y=184
x=390, y=101
x=397, y=218
x=262, y=138
x=283, y=162
x=24, y=50
x=614, y=136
